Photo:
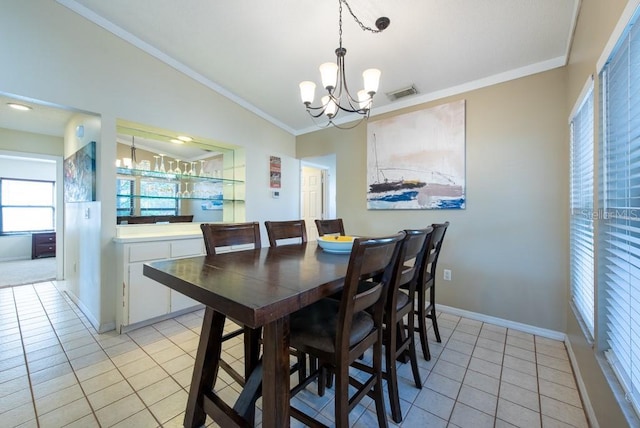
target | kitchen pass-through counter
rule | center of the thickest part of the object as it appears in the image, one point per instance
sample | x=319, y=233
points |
x=141, y=300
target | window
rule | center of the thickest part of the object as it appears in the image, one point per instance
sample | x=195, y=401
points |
x=124, y=196
x=581, y=236
x=26, y=205
x=619, y=199
x=158, y=197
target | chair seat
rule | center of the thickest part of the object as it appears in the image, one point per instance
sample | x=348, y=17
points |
x=402, y=301
x=316, y=326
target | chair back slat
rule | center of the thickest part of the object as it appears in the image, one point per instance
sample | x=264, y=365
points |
x=330, y=227
x=280, y=230
x=372, y=260
x=430, y=260
x=228, y=234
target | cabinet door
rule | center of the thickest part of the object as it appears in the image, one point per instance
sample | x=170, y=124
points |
x=185, y=248
x=147, y=298
x=179, y=301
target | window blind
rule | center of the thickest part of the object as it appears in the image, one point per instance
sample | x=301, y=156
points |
x=619, y=196
x=581, y=235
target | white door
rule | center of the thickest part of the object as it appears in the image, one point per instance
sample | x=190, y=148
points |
x=311, y=199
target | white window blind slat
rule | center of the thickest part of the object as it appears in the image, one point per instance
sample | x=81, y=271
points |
x=619, y=197
x=581, y=224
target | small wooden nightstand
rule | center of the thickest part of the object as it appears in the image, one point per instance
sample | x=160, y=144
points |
x=43, y=245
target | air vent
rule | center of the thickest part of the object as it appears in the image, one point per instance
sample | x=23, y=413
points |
x=401, y=93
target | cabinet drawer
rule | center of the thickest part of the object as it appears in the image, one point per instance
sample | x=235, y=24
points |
x=43, y=245
x=187, y=247
x=144, y=252
x=44, y=238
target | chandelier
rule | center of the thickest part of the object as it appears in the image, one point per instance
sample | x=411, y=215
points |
x=338, y=97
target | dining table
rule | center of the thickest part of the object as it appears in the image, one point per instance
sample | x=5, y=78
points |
x=255, y=288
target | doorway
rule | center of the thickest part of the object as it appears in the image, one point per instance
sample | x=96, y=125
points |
x=317, y=191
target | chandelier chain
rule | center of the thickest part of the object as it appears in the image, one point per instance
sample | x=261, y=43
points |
x=355, y=18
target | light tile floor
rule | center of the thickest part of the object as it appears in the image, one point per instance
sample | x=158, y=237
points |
x=55, y=371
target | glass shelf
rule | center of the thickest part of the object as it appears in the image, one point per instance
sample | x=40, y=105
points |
x=180, y=198
x=170, y=176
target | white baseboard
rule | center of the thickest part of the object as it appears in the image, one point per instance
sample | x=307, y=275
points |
x=588, y=408
x=549, y=334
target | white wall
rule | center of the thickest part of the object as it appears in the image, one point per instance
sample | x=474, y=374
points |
x=22, y=166
x=58, y=57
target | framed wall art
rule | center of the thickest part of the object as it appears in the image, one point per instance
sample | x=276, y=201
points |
x=80, y=175
x=417, y=160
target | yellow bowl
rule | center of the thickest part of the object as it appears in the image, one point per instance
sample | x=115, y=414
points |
x=336, y=244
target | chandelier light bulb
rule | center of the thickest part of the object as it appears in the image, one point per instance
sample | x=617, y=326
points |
x=364, y=99
x=307, y=91
x=330, y=106
x=329, y=75
x=371, y=80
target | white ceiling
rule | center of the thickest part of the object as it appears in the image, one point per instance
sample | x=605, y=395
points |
x=256, y=52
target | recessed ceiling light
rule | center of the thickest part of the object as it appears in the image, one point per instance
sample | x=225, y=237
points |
x=20, y=107
x=176, y=141
x=184, y=138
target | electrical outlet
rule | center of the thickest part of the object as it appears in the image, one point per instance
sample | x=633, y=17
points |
x=447, y=274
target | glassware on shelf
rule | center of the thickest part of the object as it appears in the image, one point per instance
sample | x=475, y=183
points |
x=144, y=165
x=177, y=171
x=184, y=169
x=162, y=163
x=156, y=168
x=171, y=167
x=179, y=192
x=192, y=171
x=186, y=193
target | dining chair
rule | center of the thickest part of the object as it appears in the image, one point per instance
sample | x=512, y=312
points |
x=427, y=283
x=338, y=332
x=398, y=345
x=330, y=227
x=221, y=235
x=286, y=230
x=396, y=342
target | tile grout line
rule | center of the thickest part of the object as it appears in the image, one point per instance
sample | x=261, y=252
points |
x=26, y=363
x=66, y=356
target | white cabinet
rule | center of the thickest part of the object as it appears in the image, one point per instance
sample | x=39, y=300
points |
x=141, y=299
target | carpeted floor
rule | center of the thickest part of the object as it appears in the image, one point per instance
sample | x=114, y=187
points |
x=20, y=272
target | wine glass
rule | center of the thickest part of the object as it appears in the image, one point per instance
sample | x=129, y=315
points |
x=192, y=171
x=171, y=167
x=186, y=193
x=184, y=168
x=177, y=170
x=156, y=168
x=201, y=168
x=162, y=163
x=179, y=192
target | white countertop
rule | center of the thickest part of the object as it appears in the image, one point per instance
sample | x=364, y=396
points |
x=156, y=232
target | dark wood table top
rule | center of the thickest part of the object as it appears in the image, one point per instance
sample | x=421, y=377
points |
x=255, y=287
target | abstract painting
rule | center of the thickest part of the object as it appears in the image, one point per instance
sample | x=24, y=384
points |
x=417, y=160
x=80, y=175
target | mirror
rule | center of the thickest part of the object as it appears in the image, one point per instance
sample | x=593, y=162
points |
x=163, y=176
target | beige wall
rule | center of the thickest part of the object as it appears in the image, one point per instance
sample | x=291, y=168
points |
x=27, y=142
x=507, y=249
x=595, y=24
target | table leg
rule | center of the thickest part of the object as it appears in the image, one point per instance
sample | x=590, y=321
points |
x=275, y=375
x=205, y=367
